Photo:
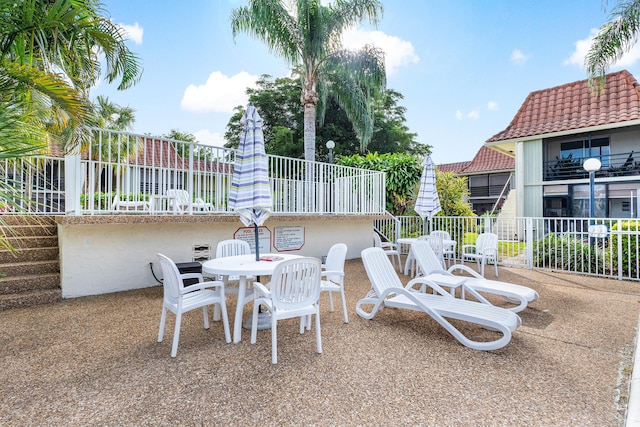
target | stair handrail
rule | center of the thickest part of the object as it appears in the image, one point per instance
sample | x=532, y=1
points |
x=495, y=205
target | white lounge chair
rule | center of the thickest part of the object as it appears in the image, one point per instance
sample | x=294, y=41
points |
x=429, y=263
x=129, y=205
x=387, y=290
x=183, y=201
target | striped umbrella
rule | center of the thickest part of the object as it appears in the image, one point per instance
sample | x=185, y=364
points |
x=428, y=202
x=250, y=193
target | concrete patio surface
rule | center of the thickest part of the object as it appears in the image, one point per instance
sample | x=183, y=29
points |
x=95, y=361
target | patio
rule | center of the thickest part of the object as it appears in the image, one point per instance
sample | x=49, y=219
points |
x=95, y=361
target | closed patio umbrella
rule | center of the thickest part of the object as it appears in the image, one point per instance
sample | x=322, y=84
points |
x=428, y=202
x=250, y=193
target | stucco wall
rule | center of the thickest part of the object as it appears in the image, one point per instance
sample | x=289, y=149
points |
x=102, y=254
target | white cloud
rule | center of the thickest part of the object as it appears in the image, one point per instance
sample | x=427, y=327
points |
x=583, y=46
x=492, y=106
x=473, y=115
x=518, y=57
x=133, y=32
x=458, y=115
x=215, y=139
x=398, y=53
x=220, y=93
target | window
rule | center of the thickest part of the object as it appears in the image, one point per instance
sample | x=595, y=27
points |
x=586, y=148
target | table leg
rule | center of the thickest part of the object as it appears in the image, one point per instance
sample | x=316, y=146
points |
x=237, y=323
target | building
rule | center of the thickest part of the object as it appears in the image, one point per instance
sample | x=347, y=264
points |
x=489, y=176
x=557, y=129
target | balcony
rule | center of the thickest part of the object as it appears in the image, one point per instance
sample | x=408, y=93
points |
x=619, y=164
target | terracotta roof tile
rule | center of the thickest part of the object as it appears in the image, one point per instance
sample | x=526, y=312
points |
x=485, y=160
x=574, y=106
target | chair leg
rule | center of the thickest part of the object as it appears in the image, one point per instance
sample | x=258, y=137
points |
x=216, y=313
x=274, y=340
x=318, y=337
x=330, y=301
x=254, y=321
x=163, y=318
x=176, y=334
x=344, y=306
x=205, y=312
x=225, y=321
x=495, y=265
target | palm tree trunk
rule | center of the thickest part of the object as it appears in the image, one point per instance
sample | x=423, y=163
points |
x=310, y=131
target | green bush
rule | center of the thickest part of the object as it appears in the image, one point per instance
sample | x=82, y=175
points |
x=567, y=253
x=629, y=237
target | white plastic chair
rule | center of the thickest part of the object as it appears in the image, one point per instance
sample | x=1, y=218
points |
x=294, y=292
x=391, y=249
x=180, y=299
x=448, y=250
x=387, y=291
x=333, y=274
x=484, y=251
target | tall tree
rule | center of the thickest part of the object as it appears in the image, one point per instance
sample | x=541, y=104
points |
x=112, y=116
x=614, y=39
x=308, y=36
x=64, y=38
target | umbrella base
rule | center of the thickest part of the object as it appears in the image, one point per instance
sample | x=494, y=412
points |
x=264, y=321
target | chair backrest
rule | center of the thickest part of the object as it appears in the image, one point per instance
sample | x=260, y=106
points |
x=486, y=241
x=171, y=279
x=425, y=257
x=335, y=261
x=296, y=283
x=435, y=242
x=444, y=235
x=181, y=196
x=377, y=241
x=232, y=247
x=382, y=274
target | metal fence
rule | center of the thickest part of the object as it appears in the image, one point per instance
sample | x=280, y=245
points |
x=121, y=171
x=592, y=246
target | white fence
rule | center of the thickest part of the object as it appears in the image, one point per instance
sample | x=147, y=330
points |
x=121, y=171
x=558, y=244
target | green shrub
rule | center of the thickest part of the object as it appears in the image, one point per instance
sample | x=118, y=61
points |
x=563, y=252
x=629, y=237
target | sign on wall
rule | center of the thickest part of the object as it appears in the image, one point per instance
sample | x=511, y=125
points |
x=288, y=238
x=248, y=235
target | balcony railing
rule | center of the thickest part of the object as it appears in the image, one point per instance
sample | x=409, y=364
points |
x=619, y=164
x=122, y=171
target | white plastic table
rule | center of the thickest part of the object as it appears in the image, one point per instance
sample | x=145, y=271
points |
x=243, y=266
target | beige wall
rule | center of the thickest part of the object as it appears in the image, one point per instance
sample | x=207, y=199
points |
x=110, y=253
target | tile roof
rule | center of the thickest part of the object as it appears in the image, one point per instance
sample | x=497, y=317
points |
x=485, y=160
x=575, y=106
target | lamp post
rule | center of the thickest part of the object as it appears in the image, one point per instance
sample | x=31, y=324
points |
x=592, y=165
x=330, y=145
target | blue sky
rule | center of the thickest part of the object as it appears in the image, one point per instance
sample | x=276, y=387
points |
x=464, y=66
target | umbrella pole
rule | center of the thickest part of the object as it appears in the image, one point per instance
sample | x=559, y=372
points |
x=255, y=231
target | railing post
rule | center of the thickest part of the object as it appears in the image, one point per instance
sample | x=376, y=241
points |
x=619, y=243
x=72, y=184
x=529, y=242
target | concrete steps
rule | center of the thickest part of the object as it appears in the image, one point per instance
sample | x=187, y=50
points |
x=30, y=273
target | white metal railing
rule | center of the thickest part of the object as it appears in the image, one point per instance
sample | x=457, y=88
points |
x=557, y=244
x=125, y=171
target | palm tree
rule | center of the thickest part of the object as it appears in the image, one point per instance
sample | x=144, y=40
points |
x=65, y=38
x=308, y=36
x=614, y=39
